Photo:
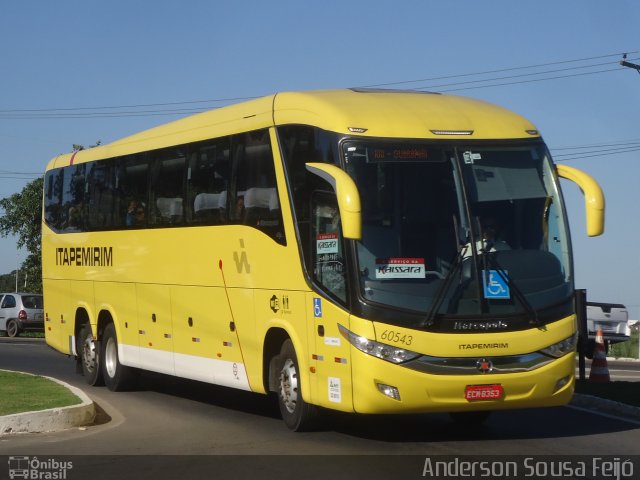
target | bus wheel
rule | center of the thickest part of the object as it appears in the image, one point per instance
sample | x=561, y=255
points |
x=90, y=356
x=12, y=328
x=117, y=377
x=297, y=414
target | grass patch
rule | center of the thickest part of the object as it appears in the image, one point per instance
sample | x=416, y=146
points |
x=27, y=393
x=623, y=392
x=628, y=349
x=31, y=334
x=27, y=334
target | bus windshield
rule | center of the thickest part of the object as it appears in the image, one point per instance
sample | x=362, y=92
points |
x=460, y=231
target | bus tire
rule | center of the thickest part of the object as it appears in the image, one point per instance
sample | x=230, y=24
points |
x=12, y=328
x=89, y=353
x=297, y=414
x=117, y=377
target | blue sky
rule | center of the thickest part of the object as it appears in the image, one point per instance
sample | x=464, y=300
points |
x=122, y=53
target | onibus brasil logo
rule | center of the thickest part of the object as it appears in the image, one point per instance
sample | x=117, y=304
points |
x=36, y=469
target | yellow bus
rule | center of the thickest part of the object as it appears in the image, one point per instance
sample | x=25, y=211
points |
x=358, y=250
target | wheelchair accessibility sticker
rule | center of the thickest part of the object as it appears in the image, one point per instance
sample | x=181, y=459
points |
x=495, y=285
x=317, y=307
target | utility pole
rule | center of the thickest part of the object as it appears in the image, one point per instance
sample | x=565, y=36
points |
x=624, y=63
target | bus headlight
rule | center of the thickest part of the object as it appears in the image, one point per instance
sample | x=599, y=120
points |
x=381, y=350
x=560, y=349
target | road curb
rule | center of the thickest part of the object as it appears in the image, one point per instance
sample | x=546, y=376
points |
x=53, y=419
x=602, y=405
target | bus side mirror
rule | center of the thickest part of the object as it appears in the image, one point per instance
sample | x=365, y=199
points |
x=593, y=197
x=347, y=195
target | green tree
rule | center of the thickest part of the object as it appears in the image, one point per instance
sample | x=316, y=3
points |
x=22, y=218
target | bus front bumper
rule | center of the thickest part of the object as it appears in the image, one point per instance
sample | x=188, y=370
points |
x=383, y=387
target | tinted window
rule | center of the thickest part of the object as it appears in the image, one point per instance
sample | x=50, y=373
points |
x=167, y=194
x=301, y=145
x=254, y=195
x=32, y=301
x=208, y=182
x=8, y=302
x=73, y=209
x=226, y=180
x=53, y=198
x=132, y=182
x=102, y=198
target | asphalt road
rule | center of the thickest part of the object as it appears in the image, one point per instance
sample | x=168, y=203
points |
x=169, y=416
x=627, y=371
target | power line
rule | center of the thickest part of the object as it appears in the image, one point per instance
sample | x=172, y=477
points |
x=12, y=177
x=154, y=109
x=142, y=105
x=487, y=72
x=5, y=172
x=139, y=113
x=576, y=152
x=171, y=112
x=557, y=77
x=600, y=145
x=565, y=157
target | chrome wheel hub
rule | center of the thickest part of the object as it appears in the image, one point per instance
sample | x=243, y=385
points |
x=111, y=357
x=89, y=353
x=289, y=385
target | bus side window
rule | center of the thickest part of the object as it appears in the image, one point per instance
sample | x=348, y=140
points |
x=208, y=183
x=53, y=198
x=73, y=190
x=167, y=194
x=329, y=269
x=301, y=145
x=255, y=193
x=132, y=182
x=101, y=196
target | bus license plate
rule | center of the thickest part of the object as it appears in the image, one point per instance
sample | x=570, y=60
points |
x=483, y=392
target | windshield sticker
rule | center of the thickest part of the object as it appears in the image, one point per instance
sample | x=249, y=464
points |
x=326, y=243
x=389, y=268
x=470, y=157
x=495, y=285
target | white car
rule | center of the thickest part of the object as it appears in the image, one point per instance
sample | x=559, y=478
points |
x=20, y=312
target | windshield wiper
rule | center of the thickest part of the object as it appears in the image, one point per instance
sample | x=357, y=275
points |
x=444, y=288
x=469, y=243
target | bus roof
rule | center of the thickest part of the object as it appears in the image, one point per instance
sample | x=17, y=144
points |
x=400, y=114
x=362, y=112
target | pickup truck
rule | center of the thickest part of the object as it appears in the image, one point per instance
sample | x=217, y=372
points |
x=612, y=318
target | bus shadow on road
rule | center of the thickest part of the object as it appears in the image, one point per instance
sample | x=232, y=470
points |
x=214, y=395
x=538, y=423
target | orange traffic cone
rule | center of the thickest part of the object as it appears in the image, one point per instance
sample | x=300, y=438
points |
x=599, y=369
